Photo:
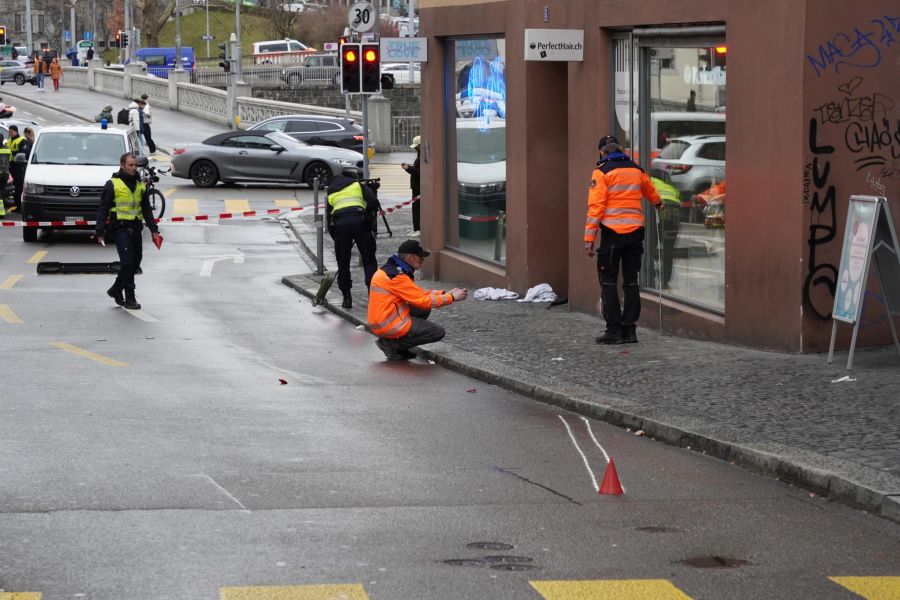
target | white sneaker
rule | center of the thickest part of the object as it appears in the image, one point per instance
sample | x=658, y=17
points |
x=413, y=233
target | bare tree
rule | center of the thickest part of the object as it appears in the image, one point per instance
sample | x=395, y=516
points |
x=153, y=16
x=316, y=28
x=283, y=21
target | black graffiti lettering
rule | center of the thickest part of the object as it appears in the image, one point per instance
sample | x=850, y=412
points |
x=820, y=179
x=815, y=149
x=868, y=108
x=822, y=228
x=873, y=137
x=829, y=281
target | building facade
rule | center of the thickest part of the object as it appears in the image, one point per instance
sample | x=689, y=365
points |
x=807, y=91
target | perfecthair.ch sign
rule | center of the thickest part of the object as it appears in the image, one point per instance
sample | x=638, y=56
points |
x=554, y=44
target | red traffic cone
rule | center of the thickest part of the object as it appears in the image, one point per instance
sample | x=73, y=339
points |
x=611, y=484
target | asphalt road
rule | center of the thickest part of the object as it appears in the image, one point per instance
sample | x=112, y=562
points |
x=155, y=454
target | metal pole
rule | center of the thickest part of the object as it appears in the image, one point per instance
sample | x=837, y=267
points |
x=365, y=125
x=207, y=28
x=178, y=66
x=498, y=238
x=62, y=26
x=232, y=84
x=28, y=33
x=94, y=24
x=124, y=51
x=72, y=18
x=320, y=230
x=411, y=13
x=239, y=72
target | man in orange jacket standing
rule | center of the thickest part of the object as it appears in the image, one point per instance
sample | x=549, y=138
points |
x=618, y=186
x=398, y=308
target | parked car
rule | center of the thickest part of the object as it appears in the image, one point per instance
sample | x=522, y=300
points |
x=161, y=61
x=16, y=70
x=67, y=170
x=320, y=67
x=399, y=72
x=693, y=162
x=260, y=157
x=319, y=130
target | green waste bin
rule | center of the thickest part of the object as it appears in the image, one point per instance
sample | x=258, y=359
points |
x=477, y=220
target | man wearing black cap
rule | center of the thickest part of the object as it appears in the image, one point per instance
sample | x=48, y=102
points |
x=398, y=308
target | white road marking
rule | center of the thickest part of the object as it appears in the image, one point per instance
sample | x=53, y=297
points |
x=583, y=457
x=224, y=491
x=142, y=315
x=587, y=423
x=207, y=268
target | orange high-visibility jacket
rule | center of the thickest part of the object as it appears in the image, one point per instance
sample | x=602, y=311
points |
x=614, y=200
x=391, y=293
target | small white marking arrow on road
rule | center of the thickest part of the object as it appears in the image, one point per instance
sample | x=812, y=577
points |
x=208, y=264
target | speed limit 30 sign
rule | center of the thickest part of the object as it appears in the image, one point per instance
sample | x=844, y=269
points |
x=361, y=16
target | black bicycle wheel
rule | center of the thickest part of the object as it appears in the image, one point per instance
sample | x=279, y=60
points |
x=157, y=203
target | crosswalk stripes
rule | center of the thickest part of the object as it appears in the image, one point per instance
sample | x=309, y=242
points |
x=184, y=207
x=286, y=203
x=394, y=181
x=237, y=205
x=871, y=588
x=609, y=589
x=20, y=596
x=352, y=591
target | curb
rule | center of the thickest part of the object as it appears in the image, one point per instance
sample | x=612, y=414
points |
x=823, y=476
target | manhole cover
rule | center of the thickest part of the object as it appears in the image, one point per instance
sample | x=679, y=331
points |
x=514, y=567
x=714, y=562
x=507, y=559
x=654, y=529
x=489, y=546
x=464, y=562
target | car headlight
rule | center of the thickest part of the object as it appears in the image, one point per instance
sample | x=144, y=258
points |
x=345, y=162
x=34, y=188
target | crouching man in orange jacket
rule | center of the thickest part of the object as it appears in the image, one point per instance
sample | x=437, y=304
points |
x=398, y=308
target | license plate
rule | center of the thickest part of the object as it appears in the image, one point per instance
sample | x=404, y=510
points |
x=74, y=218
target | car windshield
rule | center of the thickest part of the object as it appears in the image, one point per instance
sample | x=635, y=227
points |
x=674, y=150
x=476, y=146
x=284, y=140
x=78, y=148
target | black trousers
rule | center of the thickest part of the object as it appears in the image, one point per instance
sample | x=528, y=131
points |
x=625, y=250
x=416, y=211
x=128, y=244
x=349, y=230
x=670, y=228
x=421, y=332
x=151, y=145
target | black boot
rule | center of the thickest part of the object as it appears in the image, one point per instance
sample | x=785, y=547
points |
x=610, y=337
x=347, y=302
x=115, y=292
x=130, y=301
x=629, y=334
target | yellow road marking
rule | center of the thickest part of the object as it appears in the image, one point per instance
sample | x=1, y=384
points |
x=295, y=592
x=237, y=206
x=185, y=206
x=20, y=596
x=169, y=192
x=9, y=282
x=7, y=314
x=286, y=203
x=37, y=257
x=613, y=589
x=871, y=588
x=88, y=354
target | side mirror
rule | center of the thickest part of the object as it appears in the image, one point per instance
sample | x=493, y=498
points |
x=276, y=148
x=143, y=162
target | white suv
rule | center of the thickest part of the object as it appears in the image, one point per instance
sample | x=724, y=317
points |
x=67, y=169
x=692, y=163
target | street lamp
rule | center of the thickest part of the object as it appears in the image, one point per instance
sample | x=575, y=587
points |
x=206, y=37
x=177, y=37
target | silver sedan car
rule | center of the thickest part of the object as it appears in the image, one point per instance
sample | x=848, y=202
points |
x=260, y=157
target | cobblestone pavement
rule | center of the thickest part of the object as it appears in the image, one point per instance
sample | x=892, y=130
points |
x=780, y=414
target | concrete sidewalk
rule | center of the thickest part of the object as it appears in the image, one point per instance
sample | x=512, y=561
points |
x=788, y=416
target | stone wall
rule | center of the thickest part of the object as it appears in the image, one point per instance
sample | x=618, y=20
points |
x=405, y=99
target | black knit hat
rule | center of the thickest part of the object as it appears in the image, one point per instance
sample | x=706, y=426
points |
x=607, y=139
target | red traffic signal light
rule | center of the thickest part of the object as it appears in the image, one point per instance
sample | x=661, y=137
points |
x=118, y=39
x=2, y=36
x=371, y=68
x=370, y=55
x=350, y=71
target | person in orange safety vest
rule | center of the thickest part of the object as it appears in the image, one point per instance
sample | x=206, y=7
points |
x=615, y=210
x=398, y=308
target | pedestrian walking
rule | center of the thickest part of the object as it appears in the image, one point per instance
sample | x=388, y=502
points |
x=56, y=73
x=692, y=102
x=413, y=170
x=124, y=203
x=106, y=113
x=40, y=69
x=136, y=120
x=399, y=309
x=90, y=54
x=151, y=145
x=614, y=208
x=350, y=213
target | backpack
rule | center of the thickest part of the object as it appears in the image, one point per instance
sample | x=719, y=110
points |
x=122, y=117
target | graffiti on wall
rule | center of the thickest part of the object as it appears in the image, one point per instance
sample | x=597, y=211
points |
x=861, y=48
x=848, y=125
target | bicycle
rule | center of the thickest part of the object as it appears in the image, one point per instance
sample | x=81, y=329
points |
x=149, y=177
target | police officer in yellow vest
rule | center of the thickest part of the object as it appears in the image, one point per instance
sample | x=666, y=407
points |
x=670, y=224
x=125, y=203
x=350, y=216
x=5, y=164
x=15, y=140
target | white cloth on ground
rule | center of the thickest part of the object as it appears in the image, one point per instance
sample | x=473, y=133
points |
x=542, y=292
x=490, y=293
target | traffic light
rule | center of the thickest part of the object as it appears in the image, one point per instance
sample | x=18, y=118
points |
x=118, y=39
x=371, y=68
x=124, y=39
x=350, y=71
x=223, y=55
x=2, y=36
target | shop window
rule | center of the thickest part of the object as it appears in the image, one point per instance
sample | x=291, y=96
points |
x=476, y=206
x=684, y=111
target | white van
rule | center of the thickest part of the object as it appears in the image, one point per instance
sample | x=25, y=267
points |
x=277, y=51
x=667, y=125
